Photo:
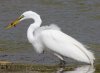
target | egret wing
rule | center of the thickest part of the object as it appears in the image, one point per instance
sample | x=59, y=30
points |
x=65, y=45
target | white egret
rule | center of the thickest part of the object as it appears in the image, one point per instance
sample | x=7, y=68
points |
x=52, y=39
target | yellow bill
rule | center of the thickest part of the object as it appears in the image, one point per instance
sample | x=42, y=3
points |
x=14, y=23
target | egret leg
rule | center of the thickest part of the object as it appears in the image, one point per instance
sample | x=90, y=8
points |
x=62, y=62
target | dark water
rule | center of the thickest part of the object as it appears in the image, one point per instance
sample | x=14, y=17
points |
x=78, y=18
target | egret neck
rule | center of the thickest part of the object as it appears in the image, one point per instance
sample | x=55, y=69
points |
x=33, y=27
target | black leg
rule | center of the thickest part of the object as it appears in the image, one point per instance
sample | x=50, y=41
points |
x=62, y=63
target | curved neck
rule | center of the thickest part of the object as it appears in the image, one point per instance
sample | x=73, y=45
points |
x=33, y=27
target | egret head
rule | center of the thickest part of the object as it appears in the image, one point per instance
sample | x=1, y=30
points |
x=25, y=15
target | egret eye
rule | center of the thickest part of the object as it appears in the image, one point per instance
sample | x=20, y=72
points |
x=20, y=17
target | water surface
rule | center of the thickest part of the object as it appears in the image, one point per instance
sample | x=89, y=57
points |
x=77, y=18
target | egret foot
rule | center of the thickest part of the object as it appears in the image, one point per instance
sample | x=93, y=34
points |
x=62, y=64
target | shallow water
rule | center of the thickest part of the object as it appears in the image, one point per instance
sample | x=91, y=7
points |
x=15, y=68
x=78, y=18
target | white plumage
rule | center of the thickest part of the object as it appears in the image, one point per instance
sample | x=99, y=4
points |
x=82, y=69
x=64, y=45
x=51, y=38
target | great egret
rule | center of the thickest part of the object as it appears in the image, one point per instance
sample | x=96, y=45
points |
x=52, y=39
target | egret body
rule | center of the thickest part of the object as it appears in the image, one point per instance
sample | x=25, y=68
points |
x=52, y=39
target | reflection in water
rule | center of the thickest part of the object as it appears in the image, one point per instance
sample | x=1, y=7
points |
x=82, y=69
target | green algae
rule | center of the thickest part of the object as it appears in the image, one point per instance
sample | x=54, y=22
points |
x=30, y=67
x=97, y=67
x=15, y=67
